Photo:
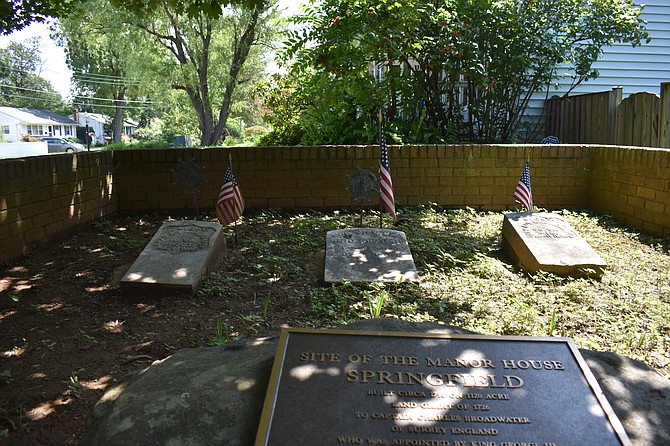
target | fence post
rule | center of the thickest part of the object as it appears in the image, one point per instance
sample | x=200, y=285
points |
x=664, y=125
x=615, y=98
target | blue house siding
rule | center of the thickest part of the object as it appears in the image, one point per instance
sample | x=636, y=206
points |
x=638, y=69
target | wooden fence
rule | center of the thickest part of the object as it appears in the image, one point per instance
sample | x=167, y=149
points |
x=642, y=119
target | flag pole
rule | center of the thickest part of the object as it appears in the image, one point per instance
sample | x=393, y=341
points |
x=230, y=165
x=381, y=208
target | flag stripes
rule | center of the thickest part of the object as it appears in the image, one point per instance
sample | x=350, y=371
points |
x=230, y=203
x=523, y=194
x=386, y=199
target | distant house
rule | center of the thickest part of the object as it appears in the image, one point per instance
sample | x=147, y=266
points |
x=129, y=127
x=16, y=123
x=639, y=69
x=96, y=123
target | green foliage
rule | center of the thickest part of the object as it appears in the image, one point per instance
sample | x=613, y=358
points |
x=100, y=49
x=255, y=131
x=289, y=135
x=275, y=272
x=210, y=61
x=20, y=83
x=461, y=70
x=137, y=144
x=190, y=8
x=552, y=323
x=175, y=69
x=222, y=337
x=266, y=305
x=5, y=376
x=15, y=15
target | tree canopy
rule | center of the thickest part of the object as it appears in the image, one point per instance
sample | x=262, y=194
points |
x=20, y=82
x=466, y=68
x=17, y=14
x=206, y=58
x=188, y=68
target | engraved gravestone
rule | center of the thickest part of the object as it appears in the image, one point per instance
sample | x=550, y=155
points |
x=419, y=389
x=368, y=255
x=176, y=257
x=547, y=242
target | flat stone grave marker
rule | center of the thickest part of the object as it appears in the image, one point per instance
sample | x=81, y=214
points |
x=547, y=242
x=177, y=257
x=368, y=255
x=383, y=388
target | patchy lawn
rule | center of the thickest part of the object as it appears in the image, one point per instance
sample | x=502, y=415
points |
x=67, y=332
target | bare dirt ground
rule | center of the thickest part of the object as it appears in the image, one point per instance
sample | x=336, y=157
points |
x=67, y=332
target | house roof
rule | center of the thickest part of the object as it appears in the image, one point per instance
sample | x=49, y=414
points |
x=104, y=119
x=36, y=116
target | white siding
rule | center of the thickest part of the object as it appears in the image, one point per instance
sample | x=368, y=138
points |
x=14, y=127
x=638, y=69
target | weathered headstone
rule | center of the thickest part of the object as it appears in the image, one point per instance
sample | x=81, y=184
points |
x=547, y=242
x=400, y=389
x=368, y=255
x=177, y=257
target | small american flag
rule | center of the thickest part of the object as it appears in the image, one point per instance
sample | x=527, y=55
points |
x=522, y=194
x=230, y=204
x=385, y=183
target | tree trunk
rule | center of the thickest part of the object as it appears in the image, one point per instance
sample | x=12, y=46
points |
x=211, y=128
x=242, y=48
x=118, y=115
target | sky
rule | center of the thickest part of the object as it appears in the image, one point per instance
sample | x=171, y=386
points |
x=54, y=68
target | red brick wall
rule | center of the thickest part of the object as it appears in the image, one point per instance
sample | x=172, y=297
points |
x=482, y=177
x=40, y=197
x=632, y=185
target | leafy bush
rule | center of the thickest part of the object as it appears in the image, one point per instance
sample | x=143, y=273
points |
x=137, y=144
x=255, y=131
x=289, y=135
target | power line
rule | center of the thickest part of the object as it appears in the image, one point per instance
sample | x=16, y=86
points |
x=91, y=78
x=31, y=97
x=74, y=103
x=77, y=73
x=100, y=81
x=31, y=89
x=104, y=78
x=81, y=97
x=125, y=107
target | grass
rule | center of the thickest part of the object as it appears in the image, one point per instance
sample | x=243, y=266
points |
x=466, y=280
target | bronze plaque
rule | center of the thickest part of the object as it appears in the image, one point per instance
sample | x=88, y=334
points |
x=418, y=389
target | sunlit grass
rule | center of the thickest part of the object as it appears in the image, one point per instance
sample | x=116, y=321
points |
x=467, y=279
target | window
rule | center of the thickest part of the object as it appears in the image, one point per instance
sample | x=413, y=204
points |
x=5, y=130
x=36, y=130
x=68, y=130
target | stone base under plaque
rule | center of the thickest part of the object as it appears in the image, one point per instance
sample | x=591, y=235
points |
x=164, y=403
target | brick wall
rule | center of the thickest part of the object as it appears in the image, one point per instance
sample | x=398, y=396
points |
x=632, y=185
x=482, y=177
x=42, y=196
